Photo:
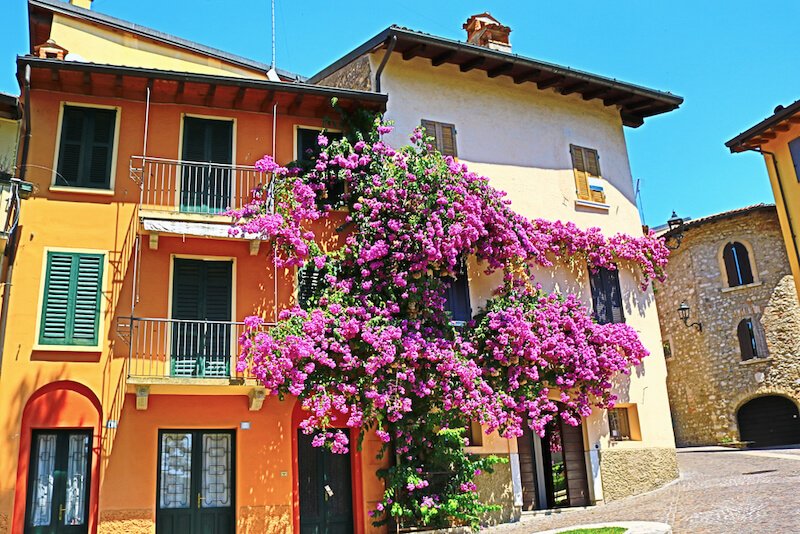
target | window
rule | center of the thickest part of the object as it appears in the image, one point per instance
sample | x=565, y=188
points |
x=307, y=150
x=86, y=147
x=71, y=302
x=309, y=282
x=667, y=346
x=737, y=264
x=588, y=181
x=746, y=333
x=444, y=136
x=475, y=434
x=606, y=296
x=458, y=296
x=619, y=424
x=206, y=180
x=794, y=150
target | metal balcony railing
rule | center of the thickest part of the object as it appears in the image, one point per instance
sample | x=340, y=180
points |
x=195, y=187
x=176, y=348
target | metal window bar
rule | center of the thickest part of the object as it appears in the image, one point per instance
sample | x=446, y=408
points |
x=181, y=348
x=197, y=187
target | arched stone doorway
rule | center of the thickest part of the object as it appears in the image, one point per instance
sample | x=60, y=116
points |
x=769, y=420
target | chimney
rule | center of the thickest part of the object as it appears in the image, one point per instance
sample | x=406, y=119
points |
x=485, y=30
x=85, y=4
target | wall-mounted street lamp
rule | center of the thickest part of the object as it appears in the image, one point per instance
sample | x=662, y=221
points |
x=675, y=225
x=683, y=311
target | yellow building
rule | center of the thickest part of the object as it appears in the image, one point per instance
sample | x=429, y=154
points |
x=777, y=138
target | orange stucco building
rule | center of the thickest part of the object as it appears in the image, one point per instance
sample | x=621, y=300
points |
x=123, y=410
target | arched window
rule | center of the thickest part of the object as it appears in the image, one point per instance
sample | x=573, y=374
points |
x=737, y=264
x=746, y=333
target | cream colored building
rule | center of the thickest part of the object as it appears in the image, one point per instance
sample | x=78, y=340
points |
x=553, y=139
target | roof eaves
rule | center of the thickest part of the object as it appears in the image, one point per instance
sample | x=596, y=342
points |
x=721, y=216
x=737, y=144
x=379, y=39
x=68, y=9
x=288, y=87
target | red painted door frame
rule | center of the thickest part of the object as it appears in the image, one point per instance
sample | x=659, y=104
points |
x=355, y=470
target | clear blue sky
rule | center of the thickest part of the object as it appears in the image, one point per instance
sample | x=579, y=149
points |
x=733, y=61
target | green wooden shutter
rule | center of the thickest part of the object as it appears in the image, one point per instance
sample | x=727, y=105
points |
x=98, y=172
x=71, y=305
x=309, y=282
x=86, y=317
x=69, y=152
x=430, y=131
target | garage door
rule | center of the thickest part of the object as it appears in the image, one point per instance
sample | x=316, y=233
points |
x=769, y=420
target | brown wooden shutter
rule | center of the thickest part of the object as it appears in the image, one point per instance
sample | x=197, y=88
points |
x=744, y=331
x=447, y=137
x=581, y=177
x=430, y=131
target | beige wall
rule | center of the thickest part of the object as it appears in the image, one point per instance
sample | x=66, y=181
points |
x=9, y=137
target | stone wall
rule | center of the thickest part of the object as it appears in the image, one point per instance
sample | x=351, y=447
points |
x=496, y=488
x=355, y=75
x=707, y=379
x=627, y=472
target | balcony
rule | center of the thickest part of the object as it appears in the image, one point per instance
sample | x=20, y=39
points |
x=176, y=351
x=192, y=188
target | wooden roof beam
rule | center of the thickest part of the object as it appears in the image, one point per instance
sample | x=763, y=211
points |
x=595, y=93
x=55, y=77
x=212, y=90
x=269, y=100
x=118, y=86
x=237, y=102
x=87, y=83
x=527, y=76
x=618, y=99
x=180, y=91
x=413, y=51
x=500, y=69
x=443, y=58
x=549, y=82
x=769, y=135
x=472, y=63
x=295, y=105
x=795, y=119
x=782, y=127
x=573, y=88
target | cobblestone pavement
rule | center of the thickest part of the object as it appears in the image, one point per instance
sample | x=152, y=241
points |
x=720, y=491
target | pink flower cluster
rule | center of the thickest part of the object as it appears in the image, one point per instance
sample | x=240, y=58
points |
x=378, y=348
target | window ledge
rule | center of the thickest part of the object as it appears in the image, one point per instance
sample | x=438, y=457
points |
x=739, y=288
x=579, y=203
x=67, y=348
x=753, y=361
x=82, y=190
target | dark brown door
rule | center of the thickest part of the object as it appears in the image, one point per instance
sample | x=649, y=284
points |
x=527, y=468
x=564, y=465
x=326, y=494
x=768, y=421
x=58, y=488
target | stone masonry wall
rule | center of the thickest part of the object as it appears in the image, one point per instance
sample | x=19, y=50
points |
x=707, y=379
x=627, y=472
x=356, y=75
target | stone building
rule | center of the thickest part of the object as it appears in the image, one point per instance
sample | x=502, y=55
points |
x=733, y=357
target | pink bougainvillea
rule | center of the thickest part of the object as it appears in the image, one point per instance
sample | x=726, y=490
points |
x=376, y=344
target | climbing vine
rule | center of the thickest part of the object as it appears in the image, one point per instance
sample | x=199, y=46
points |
x=376, y=350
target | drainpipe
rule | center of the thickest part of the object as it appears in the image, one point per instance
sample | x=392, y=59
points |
x=389, y=50
x=783, y=199
x=13, y=238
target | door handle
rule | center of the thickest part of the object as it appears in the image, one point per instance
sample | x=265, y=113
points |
x=61, y=510
x=328, y=492
x=199, y=500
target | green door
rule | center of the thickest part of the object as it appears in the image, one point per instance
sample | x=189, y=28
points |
x=58, y=487
x=326, y=494
x=206, y=188
x=201, y=313
x=196, y=482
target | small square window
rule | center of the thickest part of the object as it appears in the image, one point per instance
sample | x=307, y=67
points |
x=619, y=424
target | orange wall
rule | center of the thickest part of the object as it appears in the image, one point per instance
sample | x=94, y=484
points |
x=109, y=223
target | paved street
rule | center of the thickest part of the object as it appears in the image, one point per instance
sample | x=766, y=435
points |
x=720, y=491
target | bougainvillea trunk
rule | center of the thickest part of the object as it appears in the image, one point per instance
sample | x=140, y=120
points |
x=375, y=344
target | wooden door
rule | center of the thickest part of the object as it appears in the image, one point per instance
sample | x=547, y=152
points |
x=769, y=421
x=326, y=493
x=59, y=483
x=196, y=482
